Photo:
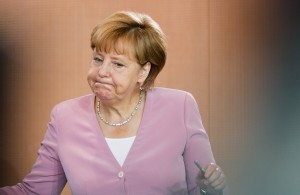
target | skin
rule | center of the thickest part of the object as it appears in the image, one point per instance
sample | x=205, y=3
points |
x=115, y=79
x=213, y=181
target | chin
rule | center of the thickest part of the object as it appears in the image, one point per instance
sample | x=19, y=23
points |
x=104, y=95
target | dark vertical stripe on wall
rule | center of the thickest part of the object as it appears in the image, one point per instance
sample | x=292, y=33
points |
x=271, y=156
x=280, y=139
x=255, y=94
x=8, y=63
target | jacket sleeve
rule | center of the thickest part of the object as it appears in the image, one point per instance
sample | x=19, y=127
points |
x=198, y=146
x=47, y=175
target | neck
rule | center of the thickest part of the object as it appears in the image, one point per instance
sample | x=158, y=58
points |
x=119, y=113
x=120, y=106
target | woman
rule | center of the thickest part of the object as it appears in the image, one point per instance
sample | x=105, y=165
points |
x=126, y=137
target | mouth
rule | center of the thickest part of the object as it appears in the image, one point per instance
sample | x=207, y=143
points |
x=102, y=83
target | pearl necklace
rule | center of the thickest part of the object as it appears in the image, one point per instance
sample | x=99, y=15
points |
x=127, y=120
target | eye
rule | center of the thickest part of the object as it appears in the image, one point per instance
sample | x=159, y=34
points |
x=118, y=65
x=97, y=59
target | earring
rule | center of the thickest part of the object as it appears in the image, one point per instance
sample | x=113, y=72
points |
x=141, y=88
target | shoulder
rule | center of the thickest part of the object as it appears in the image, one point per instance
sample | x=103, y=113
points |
x=170, y=99
x=75, y=105
x=82, y=100
x=169, y=94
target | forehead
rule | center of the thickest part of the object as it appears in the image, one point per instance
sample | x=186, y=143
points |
x=120, y=46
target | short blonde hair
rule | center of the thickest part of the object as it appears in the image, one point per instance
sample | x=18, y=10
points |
x=140, y=36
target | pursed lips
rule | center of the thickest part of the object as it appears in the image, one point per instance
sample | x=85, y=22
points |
x=102, y=83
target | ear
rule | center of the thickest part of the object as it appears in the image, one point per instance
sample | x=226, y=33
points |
x=144, y=72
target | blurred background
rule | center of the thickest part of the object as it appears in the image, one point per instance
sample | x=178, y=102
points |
x=239, y=58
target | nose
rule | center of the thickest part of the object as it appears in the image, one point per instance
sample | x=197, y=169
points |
x=104, y=69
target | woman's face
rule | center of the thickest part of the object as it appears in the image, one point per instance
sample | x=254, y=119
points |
x=115, y=76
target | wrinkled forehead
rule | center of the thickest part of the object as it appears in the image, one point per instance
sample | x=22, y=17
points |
x=118, y=45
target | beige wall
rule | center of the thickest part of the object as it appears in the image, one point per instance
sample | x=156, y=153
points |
x=207, y=56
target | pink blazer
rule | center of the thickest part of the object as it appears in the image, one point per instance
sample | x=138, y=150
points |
x=160, y=162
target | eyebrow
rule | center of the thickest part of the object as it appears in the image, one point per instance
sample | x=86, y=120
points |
x=112, y=56
x=117, y=58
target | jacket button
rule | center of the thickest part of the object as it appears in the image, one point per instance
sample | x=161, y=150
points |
x=121, y=174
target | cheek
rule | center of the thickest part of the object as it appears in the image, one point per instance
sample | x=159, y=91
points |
x=120, y=82
x=91, y=74
x=89, y=79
